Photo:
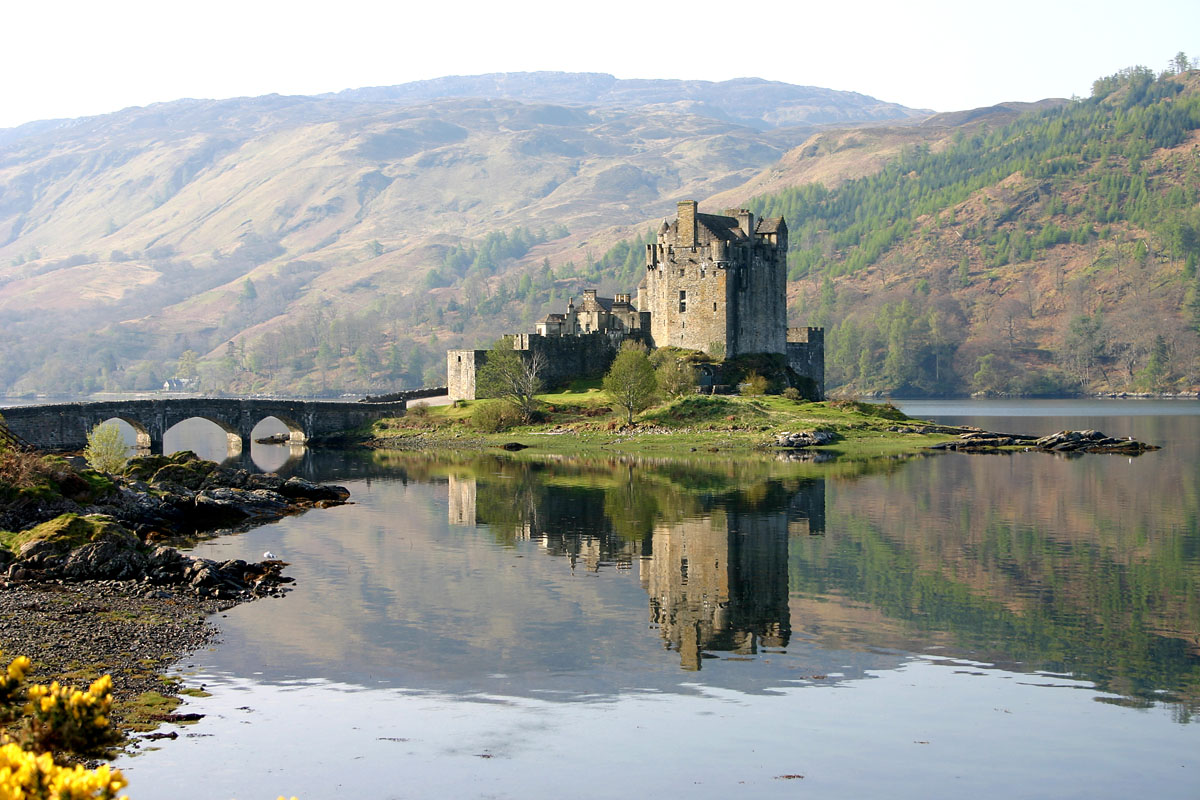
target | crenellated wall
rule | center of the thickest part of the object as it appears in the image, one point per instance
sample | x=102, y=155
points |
x=806, y=355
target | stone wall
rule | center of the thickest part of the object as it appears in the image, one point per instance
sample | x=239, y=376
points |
x=406, y=394
x=566, y=358
x=570, y=357
x=759, y=298
x=699, y=318
x=806, y=355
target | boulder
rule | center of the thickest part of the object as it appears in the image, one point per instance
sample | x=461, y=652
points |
x=235, y=505
x=190, y=475
x=815, y=438
x=111, y=559
x=298, y=488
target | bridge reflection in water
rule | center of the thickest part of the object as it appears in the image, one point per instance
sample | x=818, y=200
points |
x=716, y=572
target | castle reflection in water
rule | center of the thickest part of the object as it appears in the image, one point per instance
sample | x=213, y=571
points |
x=715, y=570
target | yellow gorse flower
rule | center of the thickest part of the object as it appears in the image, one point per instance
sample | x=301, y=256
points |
x=31, y=776
x=19, y=666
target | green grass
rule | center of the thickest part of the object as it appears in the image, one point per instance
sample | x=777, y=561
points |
x=142, y=711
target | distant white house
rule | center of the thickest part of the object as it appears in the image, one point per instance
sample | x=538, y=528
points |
x=178, y=384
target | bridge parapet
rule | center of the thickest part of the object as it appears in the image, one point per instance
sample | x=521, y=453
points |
x=65, y=426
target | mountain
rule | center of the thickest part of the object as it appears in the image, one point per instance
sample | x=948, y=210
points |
x=747, y=101
x=342, y=243
x=129, y=238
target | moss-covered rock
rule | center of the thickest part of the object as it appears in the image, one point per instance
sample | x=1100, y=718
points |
x=69, y=531
x=184, y=468
x=142, y=468
x=189, y=475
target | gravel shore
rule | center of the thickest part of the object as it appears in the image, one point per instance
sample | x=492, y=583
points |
x=75, y=632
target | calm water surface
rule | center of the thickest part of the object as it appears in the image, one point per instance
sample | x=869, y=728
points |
x=479, y=626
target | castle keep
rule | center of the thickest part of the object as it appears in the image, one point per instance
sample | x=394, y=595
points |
x=716, y=283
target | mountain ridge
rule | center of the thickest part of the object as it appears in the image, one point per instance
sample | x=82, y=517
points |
x=756, y=102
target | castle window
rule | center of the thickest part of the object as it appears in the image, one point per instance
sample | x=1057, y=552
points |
x=682, y=301
x=681, y=272
x=714, y=306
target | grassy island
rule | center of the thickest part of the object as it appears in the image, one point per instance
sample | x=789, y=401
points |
x=584, y=417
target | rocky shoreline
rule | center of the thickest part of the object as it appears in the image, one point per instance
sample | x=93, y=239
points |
x=1070, y=442
x=89, y=584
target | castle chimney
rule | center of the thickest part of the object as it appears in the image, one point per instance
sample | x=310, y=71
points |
x=746, y=223
x=685, y=230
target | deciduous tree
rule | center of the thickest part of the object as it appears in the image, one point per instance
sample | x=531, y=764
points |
x=630, y=381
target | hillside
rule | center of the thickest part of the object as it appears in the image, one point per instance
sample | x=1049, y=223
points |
x=290, y=242
x=1056, y=253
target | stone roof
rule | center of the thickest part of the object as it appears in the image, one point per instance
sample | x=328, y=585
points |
x=555, y=318
x=770, y=225
x=718, y=227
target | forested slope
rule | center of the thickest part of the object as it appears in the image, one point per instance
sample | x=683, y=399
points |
x=1054, y=254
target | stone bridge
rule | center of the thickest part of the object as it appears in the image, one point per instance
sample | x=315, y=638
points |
x=65, y=426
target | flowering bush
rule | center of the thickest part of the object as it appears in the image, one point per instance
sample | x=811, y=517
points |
x=63, y=718
x=56, y=719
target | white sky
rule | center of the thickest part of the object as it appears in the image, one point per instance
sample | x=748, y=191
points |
x=64, y=58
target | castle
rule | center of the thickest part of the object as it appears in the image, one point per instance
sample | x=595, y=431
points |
x=712, y=283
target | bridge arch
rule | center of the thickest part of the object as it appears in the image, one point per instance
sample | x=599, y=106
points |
x=295, y=429
x=141, y=434
x=233, y=438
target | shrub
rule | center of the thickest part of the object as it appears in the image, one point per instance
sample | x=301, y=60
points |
x=495, y=417
x=675, y=378
x=630, y=381
x=106, y=450
x=418, y=411
x=793, y=394
x=21, y=469
x=754, y=384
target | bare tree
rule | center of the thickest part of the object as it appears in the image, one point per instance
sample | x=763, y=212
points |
x=512, y=375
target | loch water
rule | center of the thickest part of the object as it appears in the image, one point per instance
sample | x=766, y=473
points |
x=492, y=625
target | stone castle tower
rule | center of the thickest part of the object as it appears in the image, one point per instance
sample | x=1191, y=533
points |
x=717, y=283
